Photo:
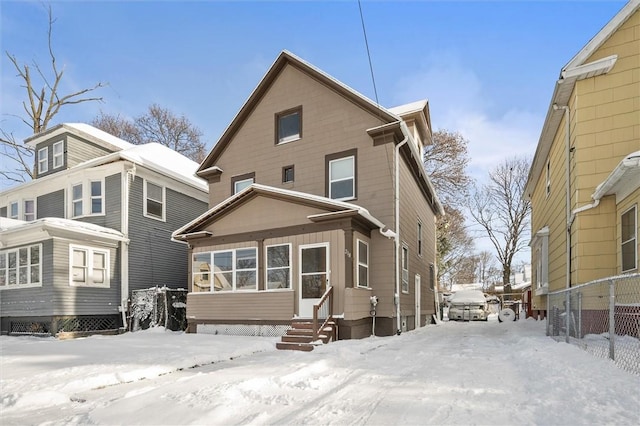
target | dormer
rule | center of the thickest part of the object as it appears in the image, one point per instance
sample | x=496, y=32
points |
x=416, y=116
x=67, y=145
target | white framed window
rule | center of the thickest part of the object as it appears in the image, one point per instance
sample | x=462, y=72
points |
x=88, y=267
x=58, y=154
x=241, y=184
x=13, y=210
x=87, y=198
x=43, y=160
x=154, y=204
x=226, y=270
x=362, y=254
x=629, y=248
x=405, y=269
x=278, y=267
x=289, y=125
x=548, y=178
x=540, y=249
x=419, y=231
x=77, y=200
x=21, y=267
x=342, y=178
x=29, y=212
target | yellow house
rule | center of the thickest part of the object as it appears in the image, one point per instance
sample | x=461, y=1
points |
x=584, y=182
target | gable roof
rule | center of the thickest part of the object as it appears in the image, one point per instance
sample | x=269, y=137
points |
x=576, y=69
x=283, y=60
x=335, y=208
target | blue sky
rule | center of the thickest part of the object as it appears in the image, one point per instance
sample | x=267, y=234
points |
x=487, y=68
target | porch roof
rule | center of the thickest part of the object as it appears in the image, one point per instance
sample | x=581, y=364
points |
x=334, y=209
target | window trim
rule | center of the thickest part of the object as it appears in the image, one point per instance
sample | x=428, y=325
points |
x=329, y=159
x=86, y=198
x=358, y=264
x=286, y=113
x=632, y=241
x=241, y=178
x=405, y=268
x=419, y=237
x=90, y=251
x=10, y=214
x=16, y=250
x=24, y=209
x=267, y=268
x=145, y=200
x=43, y=160
x=234, y=270
x=59, y=155
x=284, y=173
x=548, y=178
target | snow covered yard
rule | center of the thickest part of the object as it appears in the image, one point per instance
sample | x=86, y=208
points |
x=453, y=373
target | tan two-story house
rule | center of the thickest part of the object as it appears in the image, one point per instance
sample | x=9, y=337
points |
x=314, y=187
x=584, y=183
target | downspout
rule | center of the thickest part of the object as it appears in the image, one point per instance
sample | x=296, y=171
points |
x=567, y=152
x=396, y=238
x=129, y=177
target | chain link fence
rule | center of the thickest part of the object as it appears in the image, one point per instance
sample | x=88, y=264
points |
x=602, y=317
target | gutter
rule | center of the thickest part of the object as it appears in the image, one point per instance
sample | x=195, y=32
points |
x=396, y=236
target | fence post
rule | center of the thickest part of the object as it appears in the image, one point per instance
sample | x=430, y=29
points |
x=612, y=321
x=567, y=312
x=579, y=330
x=549, y=322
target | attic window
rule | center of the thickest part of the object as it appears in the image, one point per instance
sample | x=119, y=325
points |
x=289, y=125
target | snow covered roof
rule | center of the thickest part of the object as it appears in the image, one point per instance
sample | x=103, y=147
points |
x=624, y=179
x=18, y=231
x=84, y=130
x=468, y=296
x=401, y=110
x=264, y=189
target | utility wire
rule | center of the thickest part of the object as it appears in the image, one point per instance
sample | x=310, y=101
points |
x=366, y=42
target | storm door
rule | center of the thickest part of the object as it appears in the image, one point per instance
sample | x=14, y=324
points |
x=314, y=276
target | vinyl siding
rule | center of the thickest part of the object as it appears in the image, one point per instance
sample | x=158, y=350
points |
x=330, y=124
x=268, y=306
x=51, y=205
x=80, y=150
x=155, y=260
x=605, y=117
x=34, y=301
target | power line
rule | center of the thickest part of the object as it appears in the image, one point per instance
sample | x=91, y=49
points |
x=366, y=42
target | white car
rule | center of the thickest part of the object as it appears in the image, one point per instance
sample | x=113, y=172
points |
x=468, y=305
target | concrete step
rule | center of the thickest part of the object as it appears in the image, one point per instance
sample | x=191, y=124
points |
x=307, y=347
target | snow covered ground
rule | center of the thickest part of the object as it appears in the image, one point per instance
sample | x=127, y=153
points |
x=452, y=373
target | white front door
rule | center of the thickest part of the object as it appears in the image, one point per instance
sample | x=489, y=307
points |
x=314, y=276
x=418, y=301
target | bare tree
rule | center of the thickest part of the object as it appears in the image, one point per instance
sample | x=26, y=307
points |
x=445, y=161
x=502, y=210
x=485, y=268
x=158, y=125
x=118, y=126
x=455, y=248
x=43, y=103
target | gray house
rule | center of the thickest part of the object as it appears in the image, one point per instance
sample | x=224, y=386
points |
x=93, y=226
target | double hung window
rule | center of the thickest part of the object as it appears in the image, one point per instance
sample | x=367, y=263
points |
x=43, y=160
x=87, y=198
x=279, y=267
x=363, y=264
x=405, y=269
x=629, y=239
x=89, y=267
x=154, y=204
x=58, y=154
x=341, y=176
